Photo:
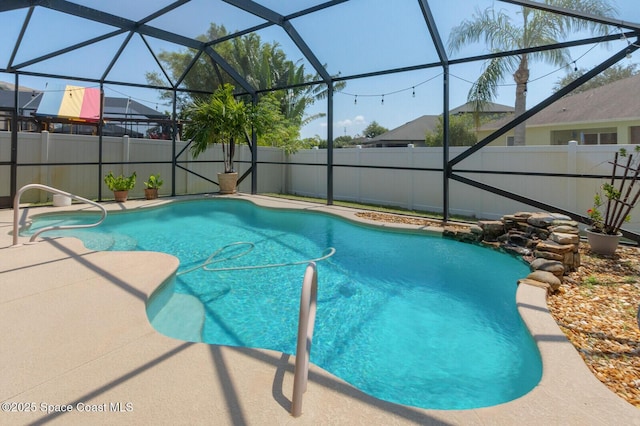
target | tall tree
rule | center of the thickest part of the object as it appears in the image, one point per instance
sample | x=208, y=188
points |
x=529, y=28
x=263, y=65
x=461, y=131
x=616, y=72
x=373, y=130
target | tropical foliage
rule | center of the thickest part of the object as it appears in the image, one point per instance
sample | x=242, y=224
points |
x=616, y=72
x=154, y=182
x=374, y=129
x=263, y=65
x=530, y=28
x=461, y=131
x=120, y=182
x=226, y=120
x=617, y=202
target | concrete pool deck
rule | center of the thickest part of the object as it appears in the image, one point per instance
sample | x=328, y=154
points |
x=75, y=334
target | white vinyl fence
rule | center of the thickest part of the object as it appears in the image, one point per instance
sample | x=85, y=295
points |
x=419, y=190
x=56, y=148
x=422, y=190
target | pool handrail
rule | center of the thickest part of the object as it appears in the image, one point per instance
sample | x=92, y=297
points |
x=16, y=208
x=306, y=321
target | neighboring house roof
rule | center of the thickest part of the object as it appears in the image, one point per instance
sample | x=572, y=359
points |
x=489, y=108
x=614, y=101
x=118, y=107
x=29, y=100
x=8, y=86
x=414, y=130
x=25, y=98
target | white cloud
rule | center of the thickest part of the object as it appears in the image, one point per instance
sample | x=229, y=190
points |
x=360, y=119
x=349, y=122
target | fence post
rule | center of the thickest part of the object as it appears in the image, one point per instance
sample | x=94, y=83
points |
x=358, y=172
x=45, y=171
x=125, y=155
x=572, y=167
x=410, y=176
x=316, y=188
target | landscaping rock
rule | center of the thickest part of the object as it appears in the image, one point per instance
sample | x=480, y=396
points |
x=546, y=277
x=544, y=220
x=565, y=229
x=554, y=247
x=555, y=267
x=565, y=238
x=492, y=229
x=548, y=255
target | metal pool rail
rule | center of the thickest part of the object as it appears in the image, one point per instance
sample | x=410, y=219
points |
x=308, y=306
x=16, y=208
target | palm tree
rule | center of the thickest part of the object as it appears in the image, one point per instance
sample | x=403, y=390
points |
x=264, y=66
x=500, y=31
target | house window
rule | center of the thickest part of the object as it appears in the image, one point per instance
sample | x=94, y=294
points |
x=603, y=136
x=510, y=140
x=608, y=138
x=589, y=139
x=634, y=134
x=562, y=137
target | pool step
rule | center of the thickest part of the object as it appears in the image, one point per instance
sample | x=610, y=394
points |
x=182, y=317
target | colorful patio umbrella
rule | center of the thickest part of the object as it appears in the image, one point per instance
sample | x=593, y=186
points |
x=71, y=102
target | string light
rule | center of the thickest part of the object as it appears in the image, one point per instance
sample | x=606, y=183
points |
x=413, y=87
x=629, y=44
x=382, y=95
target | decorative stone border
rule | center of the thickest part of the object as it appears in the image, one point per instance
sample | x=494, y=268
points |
x=549, y=242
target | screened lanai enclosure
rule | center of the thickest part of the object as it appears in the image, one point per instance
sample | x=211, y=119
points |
x=93, y=86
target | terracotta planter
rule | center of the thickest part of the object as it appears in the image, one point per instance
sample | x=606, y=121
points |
x=227, y=182
x=604, y=244
x=151, y=193
x=120, y=196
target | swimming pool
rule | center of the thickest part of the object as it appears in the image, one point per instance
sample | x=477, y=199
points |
x=408, y=318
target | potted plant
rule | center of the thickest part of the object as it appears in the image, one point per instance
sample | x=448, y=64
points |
x=151, y=187
x=226, y=120
x=120, y=185
x=617, y=202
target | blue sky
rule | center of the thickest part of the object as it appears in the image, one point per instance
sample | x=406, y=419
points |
x=356, y=37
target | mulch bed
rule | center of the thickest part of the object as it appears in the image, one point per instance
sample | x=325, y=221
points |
x=596, y=308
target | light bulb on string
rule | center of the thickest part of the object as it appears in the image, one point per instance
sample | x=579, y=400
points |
x=628, y=54
x=355, y=100
x=382, y=101
x=413, y=92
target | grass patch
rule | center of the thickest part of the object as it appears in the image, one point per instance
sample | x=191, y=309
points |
x=591, y=281
x=372, y=207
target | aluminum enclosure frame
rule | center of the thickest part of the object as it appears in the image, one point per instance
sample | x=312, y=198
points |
x=142, y=29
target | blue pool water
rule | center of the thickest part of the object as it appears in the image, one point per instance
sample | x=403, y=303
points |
x=408, y=318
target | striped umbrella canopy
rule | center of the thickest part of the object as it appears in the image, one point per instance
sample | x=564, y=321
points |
x=74, y=103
